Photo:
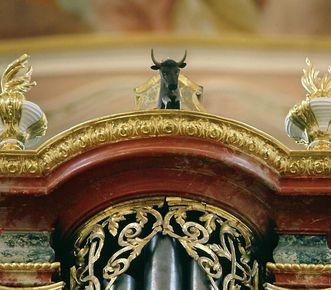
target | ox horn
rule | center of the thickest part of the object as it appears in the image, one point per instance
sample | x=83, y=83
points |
x=154, y=60
x=181, y=62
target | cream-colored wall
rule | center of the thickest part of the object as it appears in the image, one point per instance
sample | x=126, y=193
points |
x=253, y=85
x=247, y=54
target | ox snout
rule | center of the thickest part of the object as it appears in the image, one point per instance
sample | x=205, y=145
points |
x=172, y=87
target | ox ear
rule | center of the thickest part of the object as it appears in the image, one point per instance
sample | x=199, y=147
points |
x=182, y=65
x=154, y=67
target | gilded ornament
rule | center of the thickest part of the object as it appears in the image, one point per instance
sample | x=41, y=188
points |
x=213, y=237
x=296, y=269
x=34, y=268
x=308, y=123
x=21, y=122
x=302, y=268
x=53, y=286
x=30, y=266
x=158, y=123
x=315, y=86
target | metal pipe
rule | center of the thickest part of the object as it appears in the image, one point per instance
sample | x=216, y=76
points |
x=123, y=282
x=198, y=279
x=163, y=268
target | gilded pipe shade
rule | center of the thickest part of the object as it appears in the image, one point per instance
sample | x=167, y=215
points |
x=220, y=244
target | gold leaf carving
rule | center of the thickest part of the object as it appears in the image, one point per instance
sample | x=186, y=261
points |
x=17, y=85
x=302, y=268
x=316, y=86
x=158, y=123
x=30, y=266
x=16, y=130
x=53, y=286
x=219, y=242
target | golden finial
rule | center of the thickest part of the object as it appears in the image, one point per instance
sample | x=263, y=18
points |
x=21, y=121
x=14, y=85
x=315, y=86
x=309, y=122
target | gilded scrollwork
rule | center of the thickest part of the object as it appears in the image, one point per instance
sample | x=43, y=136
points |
x=316, y=86
x=130, y=239
x=215, y=243
x=119, y=229
x=219, y=242
x=151, y=124
x=87, y=256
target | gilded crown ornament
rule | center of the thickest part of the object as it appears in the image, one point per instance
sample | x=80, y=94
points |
x=308, y=123
x=21, y=122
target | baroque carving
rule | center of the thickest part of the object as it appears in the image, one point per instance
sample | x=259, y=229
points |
x=21, y=122
x=53, y=286
x=158, y=123
x=30, y=266
x=196, y=234
x=219, y=242
x=316, y=86
x=309, y=122
x=302, y=268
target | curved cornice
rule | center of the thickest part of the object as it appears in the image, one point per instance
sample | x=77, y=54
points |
x=158, y=123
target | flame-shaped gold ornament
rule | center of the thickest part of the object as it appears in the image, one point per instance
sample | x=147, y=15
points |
x=21, y=122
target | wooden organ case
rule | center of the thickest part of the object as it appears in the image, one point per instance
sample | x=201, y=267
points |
x=162, y=199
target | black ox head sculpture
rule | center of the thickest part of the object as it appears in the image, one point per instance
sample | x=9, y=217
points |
x=169, y=71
